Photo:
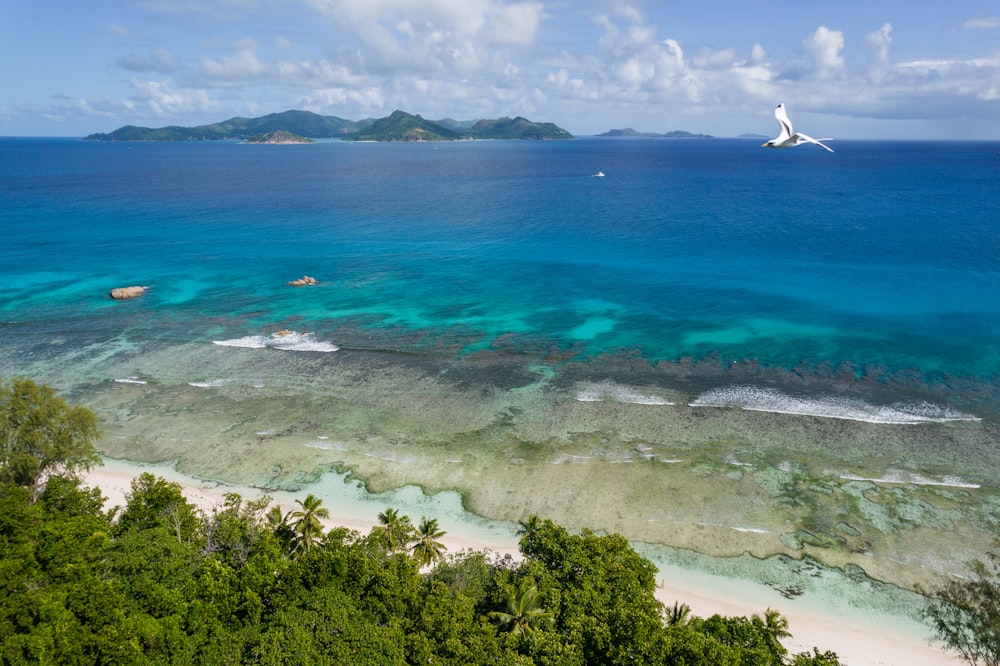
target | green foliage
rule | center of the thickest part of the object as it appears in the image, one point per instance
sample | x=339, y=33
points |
x=817, y=658
x=426, y=547
x=156, y=502
x=525, y=610
x=965, y=614
x=307, y=526
x=397, y=530
x=169, y=584
x=42, y=436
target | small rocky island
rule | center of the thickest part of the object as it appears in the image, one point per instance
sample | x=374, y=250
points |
x=279, y=137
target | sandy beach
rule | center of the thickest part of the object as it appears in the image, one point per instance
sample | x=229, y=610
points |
x=859, y=636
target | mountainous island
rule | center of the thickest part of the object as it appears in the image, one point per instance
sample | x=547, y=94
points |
x=399, y=126
x=675, y=134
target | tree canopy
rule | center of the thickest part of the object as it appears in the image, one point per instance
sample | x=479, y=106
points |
x=164, y=582
x=41, y=435
x=965, y=613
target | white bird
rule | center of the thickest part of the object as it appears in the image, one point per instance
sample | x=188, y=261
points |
x=787, y=137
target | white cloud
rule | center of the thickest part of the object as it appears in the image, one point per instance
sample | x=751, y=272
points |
x=824, y=47
x=235, y=68
x=982, y=22
x=159, y=99
x=425, y=35
x=879, y=42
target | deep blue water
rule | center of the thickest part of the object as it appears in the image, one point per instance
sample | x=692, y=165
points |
x=878, y=254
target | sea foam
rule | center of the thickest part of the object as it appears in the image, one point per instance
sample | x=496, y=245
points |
x=608, y=390
x=904, y=477
x=283, y=340
x=770, y=400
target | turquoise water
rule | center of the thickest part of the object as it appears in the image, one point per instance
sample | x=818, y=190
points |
x=881, y=256
x=493, y=318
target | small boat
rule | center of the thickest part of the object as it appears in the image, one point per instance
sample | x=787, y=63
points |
x=599, y=174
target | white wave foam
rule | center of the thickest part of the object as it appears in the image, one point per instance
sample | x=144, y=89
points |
x=902, y=476
x=211, y=383
x=753, y=398
x=130, y=380
x=249, y=342
x=327, y=445
x=608, y=390
x=283, y=340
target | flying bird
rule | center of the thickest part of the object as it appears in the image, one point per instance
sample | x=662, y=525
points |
x=787, y=137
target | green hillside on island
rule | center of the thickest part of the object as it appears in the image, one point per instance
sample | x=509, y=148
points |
x=399, y=126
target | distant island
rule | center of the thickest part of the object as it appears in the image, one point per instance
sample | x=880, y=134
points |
x=399, y=126
x=279, y=137
x=676, y=134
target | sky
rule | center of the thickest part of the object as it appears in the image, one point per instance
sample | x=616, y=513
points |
x=851, y=69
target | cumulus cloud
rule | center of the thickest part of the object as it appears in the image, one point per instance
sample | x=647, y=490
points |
x=879, y=42
x=424, y=35
x=824, y=47
x=235, y=68
x=161, y=99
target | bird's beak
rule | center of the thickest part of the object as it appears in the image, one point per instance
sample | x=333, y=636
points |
x=764, y=145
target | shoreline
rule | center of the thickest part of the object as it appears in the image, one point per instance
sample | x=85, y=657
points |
x=860, y=637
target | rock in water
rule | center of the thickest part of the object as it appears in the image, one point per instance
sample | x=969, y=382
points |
x=302, y=281
x=122, y=293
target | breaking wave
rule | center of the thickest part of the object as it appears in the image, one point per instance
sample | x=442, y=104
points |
x=770, y=400
x=283, y=340
x=904, y=477
x=608, y=390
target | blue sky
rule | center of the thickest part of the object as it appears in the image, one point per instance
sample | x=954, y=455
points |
x=845, y=68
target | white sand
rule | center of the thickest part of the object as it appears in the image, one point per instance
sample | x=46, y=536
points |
x=859, y=637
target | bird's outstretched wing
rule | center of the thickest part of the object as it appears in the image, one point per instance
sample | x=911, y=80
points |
x=784, y=122
x=805, y=138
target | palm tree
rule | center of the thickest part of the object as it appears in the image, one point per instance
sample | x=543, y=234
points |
x=307, y=527
x=525, y=611
x=776, y=626
x=395, y=527
x=427, y=548
x=679, y=614
x=529, y=527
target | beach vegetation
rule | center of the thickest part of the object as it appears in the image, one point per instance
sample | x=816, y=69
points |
x=396, y=529
x=307, y=526
x=426, y=547
x=965, y=613
x=81, y=584
x=42, y=436
x=525, y=610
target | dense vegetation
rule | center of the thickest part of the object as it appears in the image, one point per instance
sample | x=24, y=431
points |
x=399, y=126
x=161, y=581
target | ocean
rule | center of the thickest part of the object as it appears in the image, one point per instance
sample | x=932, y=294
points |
x=819, y=331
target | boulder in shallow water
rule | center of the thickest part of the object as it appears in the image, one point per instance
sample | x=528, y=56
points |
x=122, y=293
x=302, y=281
